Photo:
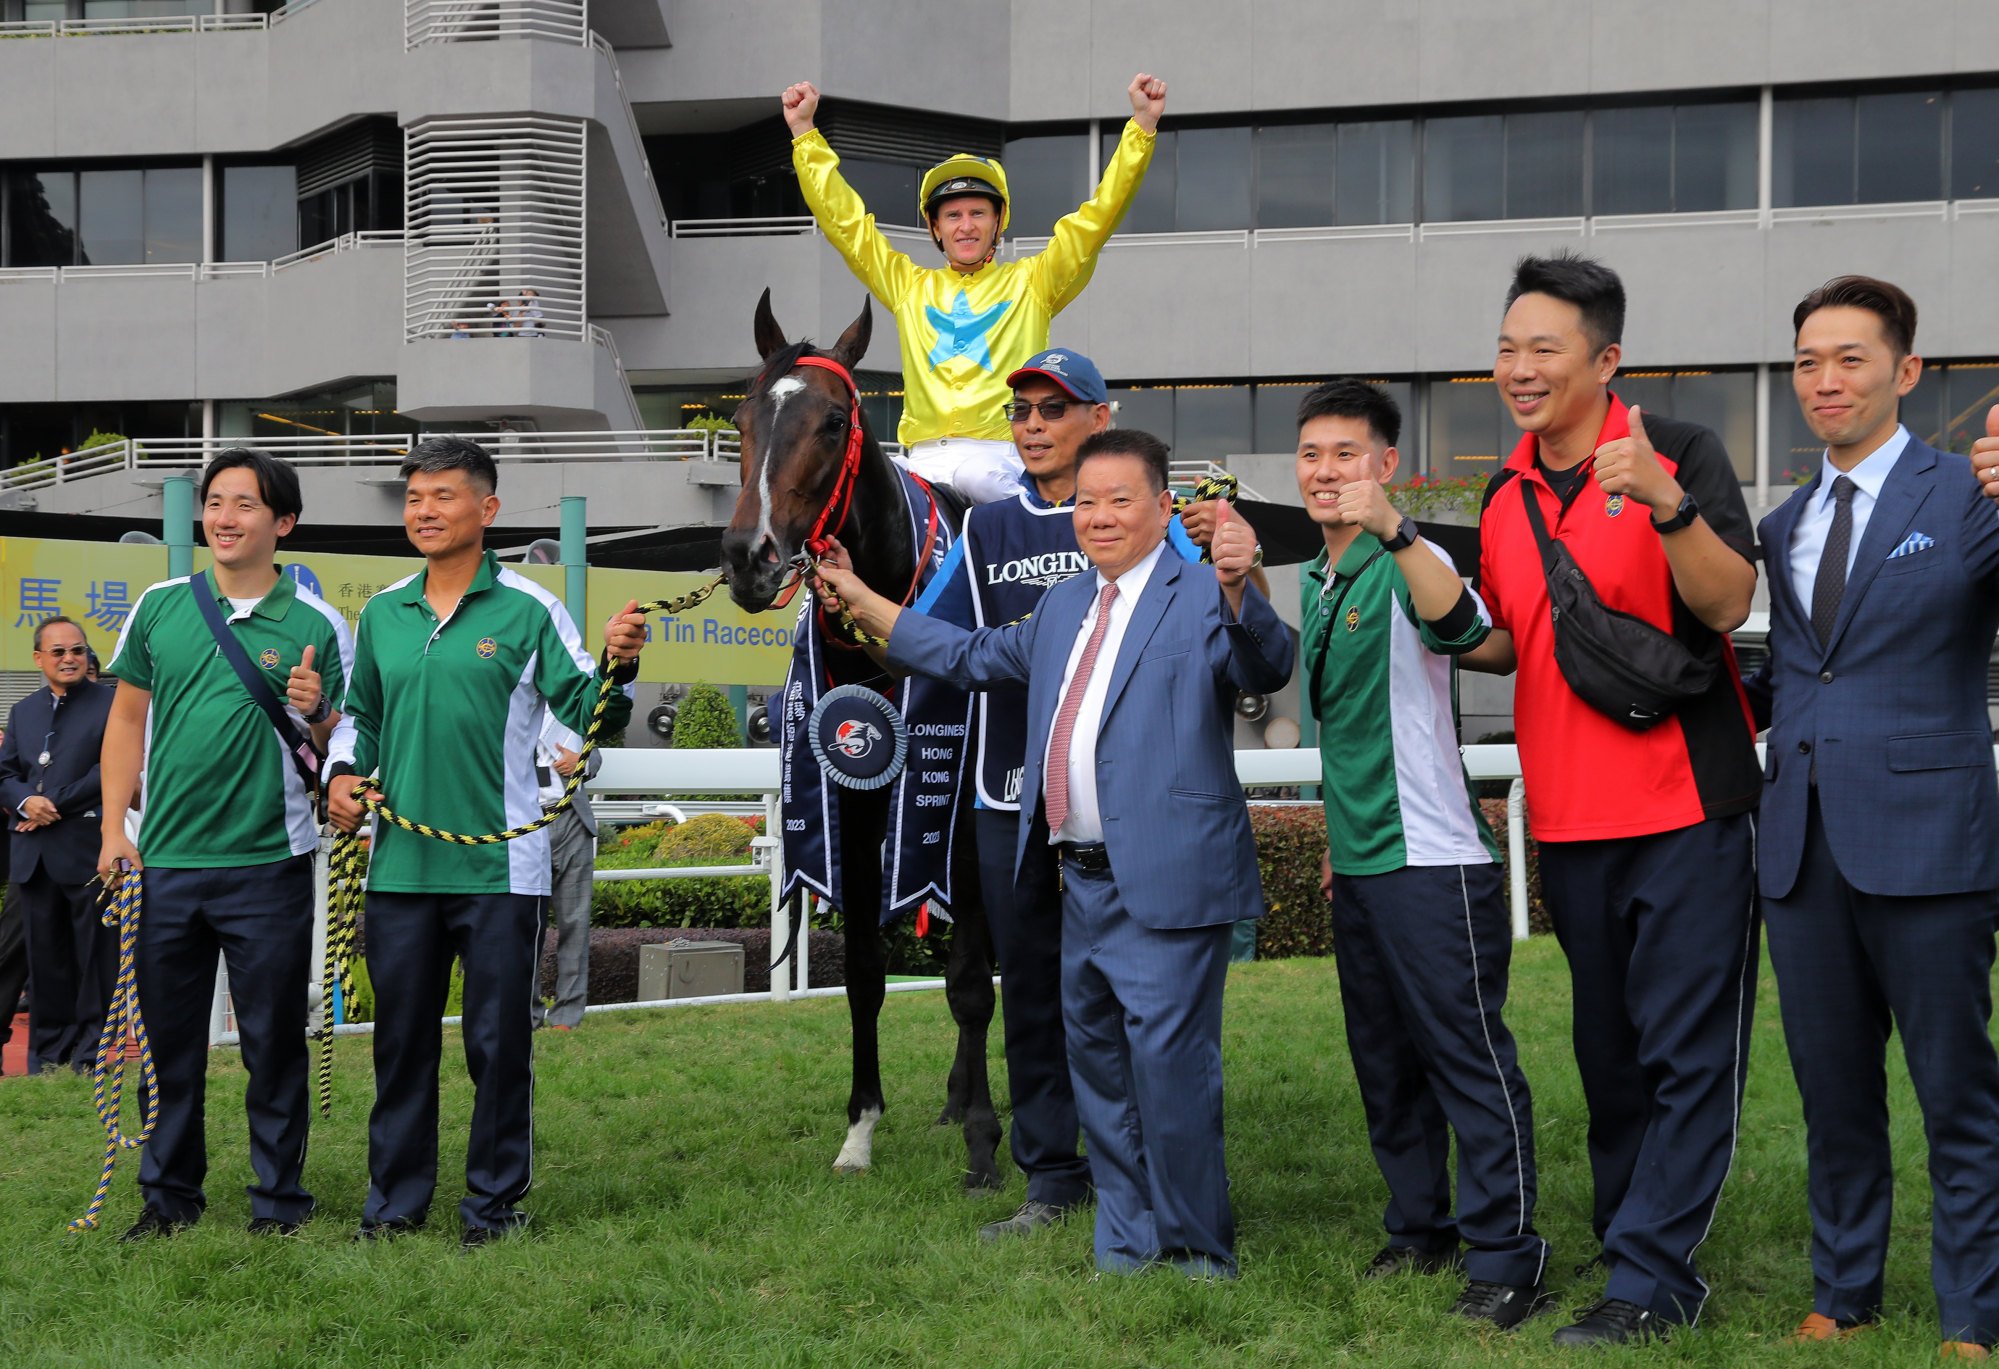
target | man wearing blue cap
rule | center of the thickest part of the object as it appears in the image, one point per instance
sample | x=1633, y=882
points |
x=1009, y=554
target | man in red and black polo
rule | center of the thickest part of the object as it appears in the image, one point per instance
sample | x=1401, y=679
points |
x=1645, y=834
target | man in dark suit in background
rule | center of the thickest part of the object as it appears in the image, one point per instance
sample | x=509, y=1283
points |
x=1132, y=671
x=13, y=949
x=1875, y=857
x=48, y=786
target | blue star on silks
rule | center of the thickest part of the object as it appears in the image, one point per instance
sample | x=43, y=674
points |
x=962, y=332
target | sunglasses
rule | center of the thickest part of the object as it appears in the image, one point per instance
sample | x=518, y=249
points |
x=1051, y=410
x=65, y=651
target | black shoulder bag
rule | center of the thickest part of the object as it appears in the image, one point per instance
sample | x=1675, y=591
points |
x=304, y=755
x=1617, y=663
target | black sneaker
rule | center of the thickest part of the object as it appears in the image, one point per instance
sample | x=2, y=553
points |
x=387, y=1231
x=1504, y=1305
x=153, y=1223
x=1612, y=1321
x=1032, y=1217
x=1393, y=1259
x=476, y=1236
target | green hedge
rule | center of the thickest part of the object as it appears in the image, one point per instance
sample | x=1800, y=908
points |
x=1291, y=842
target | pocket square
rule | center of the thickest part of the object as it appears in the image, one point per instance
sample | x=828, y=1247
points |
x=1913, y=543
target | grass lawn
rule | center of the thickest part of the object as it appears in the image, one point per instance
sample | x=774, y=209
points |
x=686, y=1212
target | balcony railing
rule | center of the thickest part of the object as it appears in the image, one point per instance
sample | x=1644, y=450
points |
x=175, y=23
x=158, y=455
x=206, y=270
x=658, y=206
x=475, y=21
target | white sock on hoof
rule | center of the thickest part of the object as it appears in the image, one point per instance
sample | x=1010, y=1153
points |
x=859, y=1150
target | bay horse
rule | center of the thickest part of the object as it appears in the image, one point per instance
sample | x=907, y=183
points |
x=795, y=426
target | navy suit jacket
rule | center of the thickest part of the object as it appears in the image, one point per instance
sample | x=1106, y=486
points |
x=1175, y=822
x=66, y=849
x=1892, y=710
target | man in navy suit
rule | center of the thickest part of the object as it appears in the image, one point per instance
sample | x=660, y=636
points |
x=1881, y=912
x=1132, y=672
x=49, y=789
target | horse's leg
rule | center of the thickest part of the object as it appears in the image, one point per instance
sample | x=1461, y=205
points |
x=862, y=819
x=968, y=986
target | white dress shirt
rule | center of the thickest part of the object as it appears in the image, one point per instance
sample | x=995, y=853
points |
x=1815, y=523
x=553, y=734
x=1084, y=823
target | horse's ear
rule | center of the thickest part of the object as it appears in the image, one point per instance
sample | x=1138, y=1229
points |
x=853, y=344
x=770, y=337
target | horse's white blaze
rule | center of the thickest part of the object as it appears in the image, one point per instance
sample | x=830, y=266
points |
x=779, y=392
x=860, y=1147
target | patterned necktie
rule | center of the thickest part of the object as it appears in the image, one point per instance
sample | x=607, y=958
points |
x=1057, y=784
x=1831, y=582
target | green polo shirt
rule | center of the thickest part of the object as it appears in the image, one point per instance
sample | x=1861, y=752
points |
x=447, y=713
x=1382, y=685
x=220, y=789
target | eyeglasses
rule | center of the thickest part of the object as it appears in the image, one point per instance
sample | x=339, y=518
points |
x=65, y=651
x=1051, y=410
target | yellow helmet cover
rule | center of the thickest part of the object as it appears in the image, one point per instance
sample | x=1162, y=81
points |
x=989, y=176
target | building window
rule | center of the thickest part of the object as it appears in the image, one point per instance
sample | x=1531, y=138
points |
x=1149, y=408
x=128, y=216
x=1974, y=144
x=259, y=212
x=1464, y=168
x=1665, y=159
x=1470, y=432
x=888, y=189
x=1048, y=176
x=1152, y=207
x=363, y=409
x=1881, y=148
x=1724, y=402
x=1211, y=421
x=1375, y=178
x=1213, y=175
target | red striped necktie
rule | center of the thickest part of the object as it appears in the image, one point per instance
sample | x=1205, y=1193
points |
x=1065, y=717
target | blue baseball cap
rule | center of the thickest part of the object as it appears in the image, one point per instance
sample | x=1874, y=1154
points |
x=1073, y=371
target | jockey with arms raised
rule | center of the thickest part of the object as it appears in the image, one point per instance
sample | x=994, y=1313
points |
x=968, y=325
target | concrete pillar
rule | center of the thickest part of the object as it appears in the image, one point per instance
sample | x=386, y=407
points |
x=177, y=524
x=575, y=560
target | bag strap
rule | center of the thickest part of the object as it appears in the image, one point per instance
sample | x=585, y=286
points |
x=1540, y=526
x=1332, y=614
x=304, y=755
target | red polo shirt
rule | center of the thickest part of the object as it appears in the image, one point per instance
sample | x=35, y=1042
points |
x=1589, y=778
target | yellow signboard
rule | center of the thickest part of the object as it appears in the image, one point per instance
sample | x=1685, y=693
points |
x=96, y=583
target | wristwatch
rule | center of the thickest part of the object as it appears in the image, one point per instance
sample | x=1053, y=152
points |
x=1256, y=557
x=1405, y=535
x=321, y=711
x=1683, y=517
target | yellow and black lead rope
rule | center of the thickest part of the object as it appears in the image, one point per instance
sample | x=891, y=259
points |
x=347, y=872
x=122, y=1020
x=1219, y=485
x=348, y=868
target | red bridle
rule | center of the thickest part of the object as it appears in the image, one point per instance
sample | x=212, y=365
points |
x=834, y=515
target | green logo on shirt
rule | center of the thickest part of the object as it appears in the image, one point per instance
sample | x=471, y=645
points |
x=487, y=646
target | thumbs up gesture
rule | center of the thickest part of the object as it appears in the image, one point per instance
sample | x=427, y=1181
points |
x=1629, y=466
x=1985, y=455
x=1234, y=546
x=302, y=689
x=1365, y=502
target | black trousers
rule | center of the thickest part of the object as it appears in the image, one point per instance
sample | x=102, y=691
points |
x=1661, y=934
x=72, y=963
x=260, y=919
x=13, y=962
x=412, y=939
x=1026, y=921
x=1423, y=954
x=1852, y=966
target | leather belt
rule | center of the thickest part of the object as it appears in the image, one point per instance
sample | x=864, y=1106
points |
x=1091, y=857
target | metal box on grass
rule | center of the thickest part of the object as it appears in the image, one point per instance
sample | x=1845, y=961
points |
x=689, y=969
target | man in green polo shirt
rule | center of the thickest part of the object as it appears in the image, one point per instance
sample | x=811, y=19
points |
x=453, y=669
x=1420, y=928
x=228, y=836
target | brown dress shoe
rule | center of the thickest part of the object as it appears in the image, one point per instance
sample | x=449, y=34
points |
x=1962, y=1349
x=1818, y=1326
